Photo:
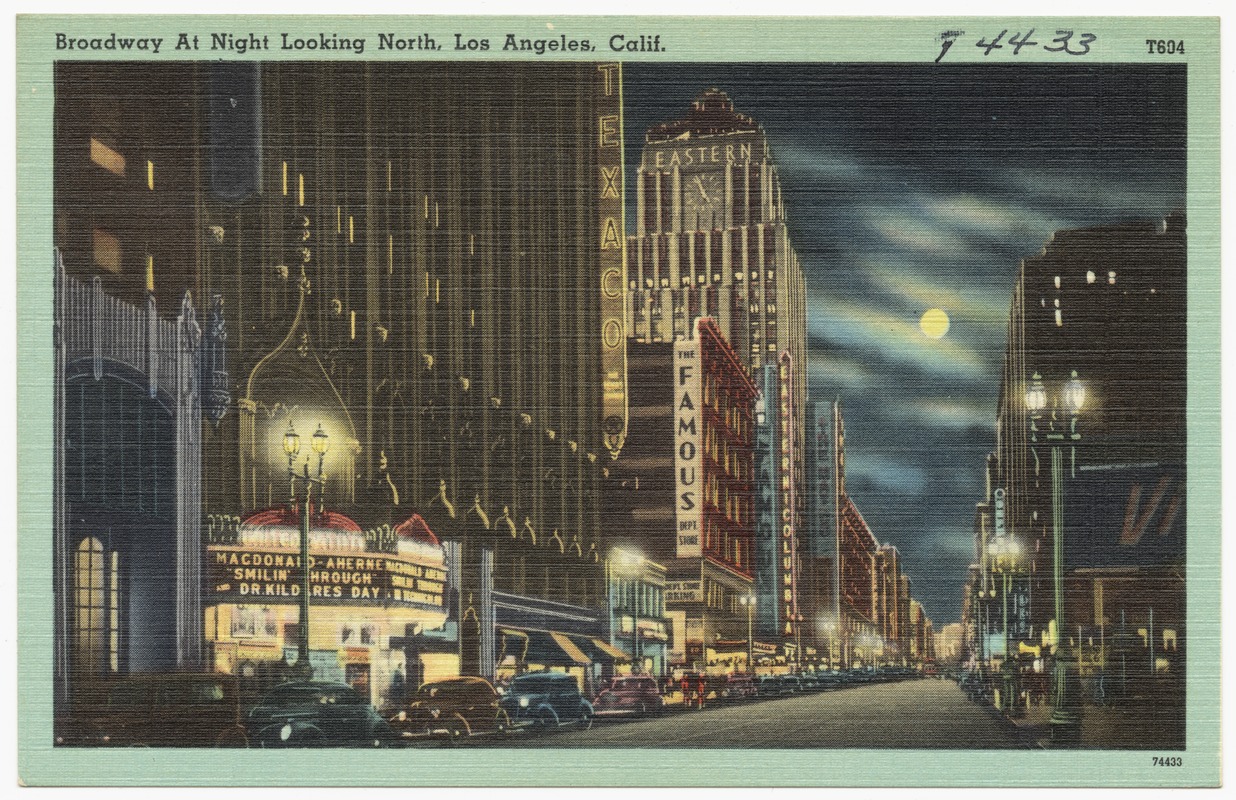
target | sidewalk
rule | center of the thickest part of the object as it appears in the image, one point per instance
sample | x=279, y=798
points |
x=1136, y=724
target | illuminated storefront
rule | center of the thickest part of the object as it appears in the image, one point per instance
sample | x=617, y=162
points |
x=366, y=586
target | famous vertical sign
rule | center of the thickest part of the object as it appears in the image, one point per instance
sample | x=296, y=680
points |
x=688, y=460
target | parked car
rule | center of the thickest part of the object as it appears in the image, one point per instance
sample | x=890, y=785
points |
x=808, y=682
x=159, y=710
x=830, y=679
x=629, y=695
x=791, y=684
x=769, y=686
x=317, y=714
x=546, y=700
x=738, y=686
x=455, y=708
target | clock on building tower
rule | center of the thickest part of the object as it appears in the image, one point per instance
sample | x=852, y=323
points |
x=702, y=200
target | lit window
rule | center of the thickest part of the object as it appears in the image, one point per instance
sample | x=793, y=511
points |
x=699, y=279
x=106, y=157
x=647, y=283
x=1111, y=278
x=1057, y=281
x=106, y=250
x=772, y=347
x=1059, y=319
x=738, y=276
x=665, y=283
x=1090, y=277
x=634, y=284
x=97, y=615
x=150, y=175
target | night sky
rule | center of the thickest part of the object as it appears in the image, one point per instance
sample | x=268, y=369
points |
x=916, y=187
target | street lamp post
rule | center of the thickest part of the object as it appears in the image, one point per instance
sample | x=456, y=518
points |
x=829, y=626
x=748, y=600
x=629, y=564
x=291, y=446
x=798, y=641
x=1005, y=564
x=1066, y=713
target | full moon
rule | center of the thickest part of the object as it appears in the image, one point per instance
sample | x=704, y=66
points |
x=934, y=323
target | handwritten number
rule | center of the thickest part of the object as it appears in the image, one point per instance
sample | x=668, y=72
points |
x=1018, y=42
x=1086, y=39
x=994, y=45
x=1063, y=38
x=946, y=40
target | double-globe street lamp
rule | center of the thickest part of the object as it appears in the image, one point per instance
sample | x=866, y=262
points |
x=1053, y=421
x=320, y=443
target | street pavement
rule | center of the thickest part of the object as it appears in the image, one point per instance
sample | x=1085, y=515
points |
x=911, y=714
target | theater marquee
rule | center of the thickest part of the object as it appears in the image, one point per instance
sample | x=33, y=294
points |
x=244, y=574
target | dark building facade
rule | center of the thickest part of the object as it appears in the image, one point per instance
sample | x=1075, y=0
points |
x=424, y=261
x=128, y=350
x=1103, y=309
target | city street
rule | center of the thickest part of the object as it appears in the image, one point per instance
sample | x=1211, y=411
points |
x=911, y=714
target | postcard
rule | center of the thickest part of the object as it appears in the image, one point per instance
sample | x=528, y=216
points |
x=618, y=401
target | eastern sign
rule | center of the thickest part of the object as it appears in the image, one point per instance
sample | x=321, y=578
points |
x=245, y=574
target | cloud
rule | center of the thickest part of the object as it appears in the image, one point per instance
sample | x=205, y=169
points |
x=888, y=475
x=950, y=413
x=896, y=337
x=972, y=301
x=840, y=372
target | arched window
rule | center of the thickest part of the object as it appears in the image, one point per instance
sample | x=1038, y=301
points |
x=97, y=595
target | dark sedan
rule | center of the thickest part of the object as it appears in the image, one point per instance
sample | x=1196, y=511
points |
x=317, y=714
x=455, y=708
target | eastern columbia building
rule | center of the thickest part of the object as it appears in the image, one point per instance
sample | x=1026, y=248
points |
x=711, y=241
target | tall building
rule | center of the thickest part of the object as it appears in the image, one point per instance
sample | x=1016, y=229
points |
x=129, y=350
x=711, y=240
x=693, y=434
x=1098, y=315
x=424, y=262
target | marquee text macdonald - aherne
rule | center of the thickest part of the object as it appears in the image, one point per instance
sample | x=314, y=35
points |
x=334, y=43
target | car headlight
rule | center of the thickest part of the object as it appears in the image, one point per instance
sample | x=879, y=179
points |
x=285, y=732
x=523, y=702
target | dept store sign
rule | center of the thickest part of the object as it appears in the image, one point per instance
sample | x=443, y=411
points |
x=244, y=574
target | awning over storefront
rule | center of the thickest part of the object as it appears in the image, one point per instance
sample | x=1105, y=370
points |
x=570, y=649
x=512, y=643
x=547, y=648
x=601, y=650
